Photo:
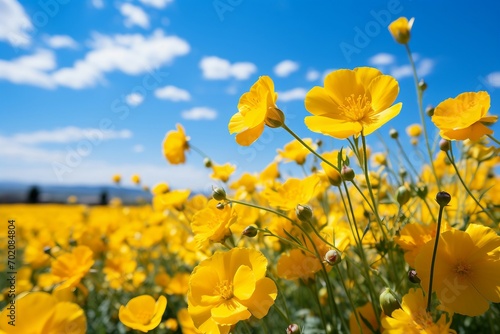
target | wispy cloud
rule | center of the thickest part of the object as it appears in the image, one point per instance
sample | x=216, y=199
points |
x=493, y=79
x=312, y=75
x=157, y=3
x=134, y=16
x=61, y=41
x=381, y=59
x=424, y=68
x=16, y=25
x=30, y=70
x=285, y=68
x=292, y=94
x=134, y=99
x=172, y=93
x=199, y=113
x=215, y=68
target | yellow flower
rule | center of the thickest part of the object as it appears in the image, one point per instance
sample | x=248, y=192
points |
x=256, y=108
x=174, y=146
x=72, y=267
x=40, y=312
x=186, y=322
x=172, y=199
x=117, y=178
x=292, y=192
x=247, y=182
x=222, y=172
x=414, y=130
x=366, y=314
x=295, y=151
x=298, y=265
x=467, y=269
x=212, y=224
x=229, y=287
x=400, y=29
x=160, y=188
x=412, y=317
x=136, y=179
x=143, y=312
x=352, y=102
x=464, y=117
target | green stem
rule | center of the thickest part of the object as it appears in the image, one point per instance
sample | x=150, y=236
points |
x=260, y=208
x=407, y=159
x=422, y=116
x=356, y=315
x=434, y=253
x=494, y=139
x=200, y=152
x=450, y=156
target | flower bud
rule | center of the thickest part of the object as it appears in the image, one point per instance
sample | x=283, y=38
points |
x=394, y=133
x=422, y=85
x=293, y=329
x=444, y=145
x=332, y=257
x=303, y=212
x=429, y=111
x=403, y=195
x=400, y=29
x=250, y=231
x=403, y=173
x=413, y=277
x=274, y=117
x=207, y=162
x=220, y=206
x=422, y=190
x=388, y=301
x=319, y=142
x=47, y=250
x=347, y=173
x=443, y=198
x=219, y=194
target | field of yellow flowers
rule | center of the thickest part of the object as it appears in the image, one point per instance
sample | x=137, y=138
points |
x=357, y=245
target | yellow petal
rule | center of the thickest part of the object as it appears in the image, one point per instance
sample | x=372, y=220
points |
x=248, y=137
x=383, y=91
x=243, y=283
x=365, y=75
x=382, y=118
x=230, y=312
x=343, y=83
x=333, y=127
x=236, y=123
x=263, y=298
x=319, y=102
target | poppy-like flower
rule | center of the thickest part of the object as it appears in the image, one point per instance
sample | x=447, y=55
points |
x=295, y=151
x=352, y=102
x=72, y=267
x=172, y=199
x=466, y=271
x=464, y=117
x=256, y=108
x=175, y=145
x=412, y=317
x=414, y=130
x=292, y=192
x=212, y=224
x=143, y=313
x=229, y=287
x=186, y=322
x=43, y=313
x=136, y=179
x=222, y=172
x=400, y=29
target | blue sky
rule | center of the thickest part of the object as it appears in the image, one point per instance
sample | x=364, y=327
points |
x=69, y=69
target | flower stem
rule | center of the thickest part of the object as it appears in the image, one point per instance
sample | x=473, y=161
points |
x=422, y=117
x=494, y=139
x=434, y=253
x=450, y=156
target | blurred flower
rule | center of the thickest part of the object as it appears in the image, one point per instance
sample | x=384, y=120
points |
x=136, y=179
x=298, y=265
x=464, y=117
x=352, y=102
x=160, y=188
x=412, y=317
x=366, y=316
x=175, y=144
x=40, y=312
x=246, y=181
x=400, y=29
x=186, y=322
x=256, y=108
x=222, y=172
x=173, y=199
x=143, y=312
x=116, y=178
x=72, y=267
x=295, y=151
x=229, y=287
x=212, y=224
x=72, y=199
x=466, y=271
x=414, y=130
x=292, y=192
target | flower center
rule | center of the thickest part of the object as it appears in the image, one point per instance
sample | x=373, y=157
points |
x=357, y=108
x=225, y=289
x=423, y=319
x=463, y=269
x=144, y=317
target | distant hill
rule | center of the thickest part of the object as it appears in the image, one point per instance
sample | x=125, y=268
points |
x=15, y=192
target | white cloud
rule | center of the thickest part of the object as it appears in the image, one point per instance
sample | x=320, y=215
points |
x=138, y=148
x=134, y=16
x=172, y=93
x=15, y=23
x=132, y=54
x=382, y=59
x=493, y=79
x=285, y=68
x=99, y=4
x=292, y=94
x=199, y=113
x=134, y=99
x=424, y=68
x=31, y=69
x=157, y=3
x=312, y=75
x=215, y=68
x=61, y=41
